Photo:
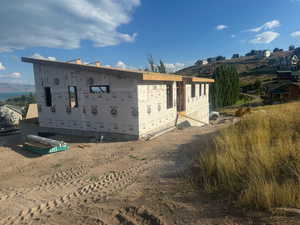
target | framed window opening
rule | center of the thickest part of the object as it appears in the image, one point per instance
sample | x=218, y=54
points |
x=169, y=96
x=205, y=87
x=48, y=96
x=99, y=89
x=193, y=91
x=200, y=89
x=73, y=97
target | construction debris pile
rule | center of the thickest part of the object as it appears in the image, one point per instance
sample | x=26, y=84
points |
x=9, y=116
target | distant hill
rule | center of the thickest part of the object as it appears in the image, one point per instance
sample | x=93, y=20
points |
x=14, y=87
x=246, y=65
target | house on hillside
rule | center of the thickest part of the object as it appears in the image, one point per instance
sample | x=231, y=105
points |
x=235, y=56
x=281, y=91
x=284, y=88
x=287, y=62
x=212, y=59
x=201, y=62
x=10, y=116
x=255, y=53
x=259, y=53
x=220, y=58
x=93, y=100
x=288, y=75
x=266, y=53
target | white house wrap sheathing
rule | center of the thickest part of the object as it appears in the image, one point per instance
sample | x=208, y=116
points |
x=114, y=112
x=135, y=105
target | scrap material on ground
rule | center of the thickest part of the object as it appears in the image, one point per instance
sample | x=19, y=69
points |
x=10, y=116
x=43, y=145
x=32, y=112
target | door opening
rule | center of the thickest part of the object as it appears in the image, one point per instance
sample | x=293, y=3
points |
x=181, y=105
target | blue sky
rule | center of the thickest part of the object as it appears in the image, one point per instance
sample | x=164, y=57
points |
x=123, y=32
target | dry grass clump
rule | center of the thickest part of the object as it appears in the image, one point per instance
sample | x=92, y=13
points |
x=257, y=161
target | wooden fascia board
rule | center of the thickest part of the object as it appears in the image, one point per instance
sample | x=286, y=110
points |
x=202, y=80
x=161, y=77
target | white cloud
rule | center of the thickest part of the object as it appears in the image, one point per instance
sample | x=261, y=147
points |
x=2, y=67
x=39, y=56
x=14, y=75
x=121, y=65
x=52, y=58
x=64, y=23
x=295, y=34
x=221, y=27
x=173, y=67
x=265, y=37
x=267, y=26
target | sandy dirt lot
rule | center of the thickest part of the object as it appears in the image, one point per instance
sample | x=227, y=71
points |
x=129, y=183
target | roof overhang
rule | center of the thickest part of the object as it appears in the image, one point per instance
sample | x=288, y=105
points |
x=161, y=77
x=146, y=76
x=78, y=65
x=198, y=79
x=202, y=80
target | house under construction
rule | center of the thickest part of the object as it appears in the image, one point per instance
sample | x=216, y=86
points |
x=85, y=99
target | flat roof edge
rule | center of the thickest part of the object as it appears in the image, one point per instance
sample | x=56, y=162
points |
x=204, y=80
x=150, y=76
x=147, y=76
x=33, y=60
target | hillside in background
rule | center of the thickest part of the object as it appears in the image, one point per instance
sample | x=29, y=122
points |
x=10, y=87
x=245, y=65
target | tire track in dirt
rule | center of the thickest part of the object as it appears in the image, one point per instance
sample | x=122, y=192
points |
x=67, y=174
x=58, y=180
x=62, y=178
x=137, y=216
x=100, y=190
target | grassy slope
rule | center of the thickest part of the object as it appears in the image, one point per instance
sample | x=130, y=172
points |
x=257, y=161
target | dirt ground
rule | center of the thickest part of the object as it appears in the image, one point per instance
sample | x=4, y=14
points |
x=127, y=183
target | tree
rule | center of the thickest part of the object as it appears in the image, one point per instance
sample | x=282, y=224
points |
x=258, y=86
x=278, y=50
x=226, y=89
x=292, y=47
x=235, y=56
x=151, y=63
x=21, y=101
x=220, y=58
x=162, y=67
x=297, y=51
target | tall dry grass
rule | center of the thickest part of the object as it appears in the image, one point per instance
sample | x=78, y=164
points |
x=256, y=162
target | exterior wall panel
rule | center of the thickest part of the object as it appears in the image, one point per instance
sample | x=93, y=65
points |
x=198, y=106
x=114, y=112
x=133, y=107
x=153, y=112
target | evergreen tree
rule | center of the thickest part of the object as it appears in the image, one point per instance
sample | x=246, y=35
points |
x=161, y=67
x=151, y=63
x=226, y=89
x=292, y=47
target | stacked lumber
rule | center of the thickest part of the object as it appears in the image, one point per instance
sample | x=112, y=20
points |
x=43, y=145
